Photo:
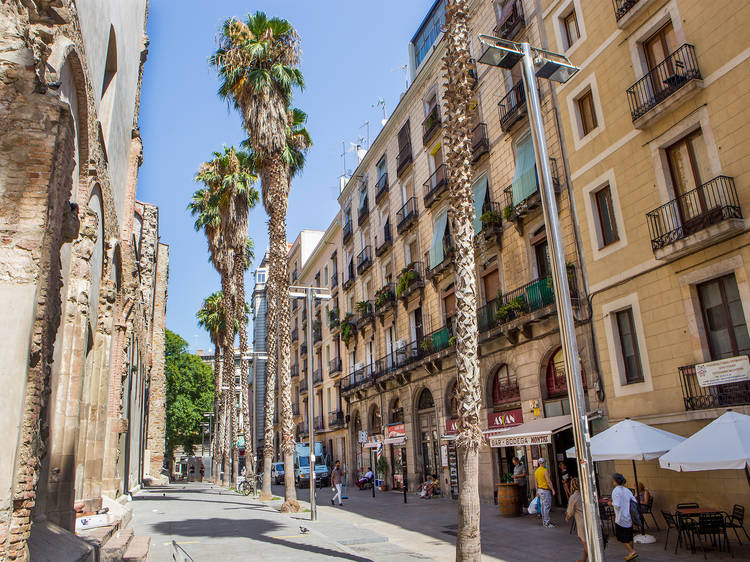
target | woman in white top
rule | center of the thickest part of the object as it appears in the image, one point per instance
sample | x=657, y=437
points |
x=621, y=498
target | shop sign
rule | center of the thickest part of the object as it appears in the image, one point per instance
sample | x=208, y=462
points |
x=362, y=437
x=395, y=430
x=724, y=371
x=444, y=455
x=509, y=418
x=451, y=427
x=520, y=440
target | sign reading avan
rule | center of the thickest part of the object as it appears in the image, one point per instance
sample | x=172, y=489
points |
x=509, y=418
x=451, y=426
x=724, y=371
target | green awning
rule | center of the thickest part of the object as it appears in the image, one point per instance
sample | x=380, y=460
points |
x=480, y=192
x=524, y=179
x=436, y=248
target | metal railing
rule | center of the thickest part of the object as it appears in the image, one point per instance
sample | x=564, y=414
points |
x=336, y=419
x=294, y=370
x=404, y=289
x=381, y=187
x=295, y=408
x=403, y=158
x=406, y=215
x=364, y=260
x=349, y=276
x=364, y=210
x=334, y=366
x=334, y=279
x=663, y=80
x=711, y=203
x=386, y=241
x=512, y=24
x=318, y=375
x=303, y=348
x=319, y=423
x=303, y=383
x=698, y=397
x=347, y=231
x=436, y=341
x=622, y=7
x=480, y=142
x=494, y=220
x=556, y=185
x=435, y=185
x=448, y=252
x=358, y=377
x=512, y=106
x=295, y=334
x=431, y=124
x=385, y=297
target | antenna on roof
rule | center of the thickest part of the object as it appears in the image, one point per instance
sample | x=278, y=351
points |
x=381, y=103
x=343, y=154
x=367, y=124
x=405, y=68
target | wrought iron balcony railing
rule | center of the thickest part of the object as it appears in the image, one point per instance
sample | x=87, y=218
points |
x=436, y=185
x=437, y=341
x=295, y=408
x=512, y=106
x=480, y=142
x=431, y=124
x=318, y=376
x=334, y=279
x=622, y=7
x=410, y=279
x=364, y=210
x=406, y=215
x=319, y=423
x=349, y=276
x=381, y=187
x=385, y=241
x=708, y=204
x=347, y=231
x=334, y=366
x=663, y=80
x=698, y=397
x=303, y=348
x=512, y=23
x=403, y=158
x=303, y=383
x=294, y=371
x=364, y=260
x=335, y=419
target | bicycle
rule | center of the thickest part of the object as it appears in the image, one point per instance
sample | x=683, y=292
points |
x=246, y=486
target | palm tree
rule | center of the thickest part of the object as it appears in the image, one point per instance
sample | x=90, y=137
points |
x=230, y=178
x=298, y=143
x=257, y=64
x=458, y=97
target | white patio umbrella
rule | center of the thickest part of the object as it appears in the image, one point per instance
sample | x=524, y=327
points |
x=722, y=444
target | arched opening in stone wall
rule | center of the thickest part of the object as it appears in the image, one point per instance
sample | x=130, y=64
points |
x=427, y=434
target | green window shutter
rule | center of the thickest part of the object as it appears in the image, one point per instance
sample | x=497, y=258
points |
x=480, y=192
x=524, y=179
x=436, y=248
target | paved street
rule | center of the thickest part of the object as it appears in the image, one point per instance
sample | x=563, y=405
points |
x=210, y=523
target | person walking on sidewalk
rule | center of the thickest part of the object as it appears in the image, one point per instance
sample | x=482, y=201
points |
x=544, y=491
x=621, y=498
x=336, y=481
x=575, y=509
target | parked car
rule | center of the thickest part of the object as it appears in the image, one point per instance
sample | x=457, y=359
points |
x=277, y=472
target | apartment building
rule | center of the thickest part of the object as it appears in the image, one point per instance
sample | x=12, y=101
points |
x=397, y=292
x=654, y=126
x=258, y=309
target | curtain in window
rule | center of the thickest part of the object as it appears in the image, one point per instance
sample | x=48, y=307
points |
x=436, y=247
x=525, y=178
x=362, y=195
x=480, y=192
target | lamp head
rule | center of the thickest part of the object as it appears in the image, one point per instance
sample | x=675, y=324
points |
x=554, y=67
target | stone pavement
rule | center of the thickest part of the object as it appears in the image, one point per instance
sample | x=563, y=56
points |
x=214, y=524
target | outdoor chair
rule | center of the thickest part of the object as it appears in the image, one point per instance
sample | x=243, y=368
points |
x=736, y=521
x=647, y=510
x=673, y=522
x=607, y=516
x=711, y=526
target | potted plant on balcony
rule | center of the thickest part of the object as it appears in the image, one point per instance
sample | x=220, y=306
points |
x=427, y=345
x=382, y=467
x=508, y=212
x=348, y=329
x=384, y=296
x=364, y=308
x=491, y=218
x=405, y=279
x=333, y=318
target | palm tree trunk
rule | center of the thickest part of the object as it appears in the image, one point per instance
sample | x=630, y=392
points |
x=270, y=394
x=216, y=445
x=225, y=438
x=275, y=176
x=227, y=287
x=459, y=155
x=239, y=269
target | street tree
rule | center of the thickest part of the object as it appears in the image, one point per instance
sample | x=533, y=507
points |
x=257, y=62
x=458, y=100
x=189, y=393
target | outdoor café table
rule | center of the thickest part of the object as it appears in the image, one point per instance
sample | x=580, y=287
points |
x=697, y=510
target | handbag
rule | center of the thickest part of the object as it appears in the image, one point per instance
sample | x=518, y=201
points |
x=534, y=506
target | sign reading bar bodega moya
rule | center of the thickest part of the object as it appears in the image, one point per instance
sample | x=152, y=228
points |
x=724, y=371
x=519, y=440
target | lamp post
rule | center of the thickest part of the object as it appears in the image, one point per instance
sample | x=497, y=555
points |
x=310, y=294
x=210, y=416
x=535, y=63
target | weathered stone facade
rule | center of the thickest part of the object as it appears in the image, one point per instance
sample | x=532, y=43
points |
x=82, y=273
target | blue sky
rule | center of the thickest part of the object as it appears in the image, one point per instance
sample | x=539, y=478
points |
x=352, y=51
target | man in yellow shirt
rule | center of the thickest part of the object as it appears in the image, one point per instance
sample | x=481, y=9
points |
x=544, y=490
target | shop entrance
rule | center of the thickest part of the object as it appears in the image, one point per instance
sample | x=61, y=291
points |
x=427, y=434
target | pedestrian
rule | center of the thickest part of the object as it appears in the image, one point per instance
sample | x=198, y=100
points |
x=203, y=472
x=336, y=481
x=519, y=477
x=544, y=490
x=621, y=498
x=575, y=509
x=565, y=477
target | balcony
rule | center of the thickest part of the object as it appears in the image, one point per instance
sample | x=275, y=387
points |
x=438, y=340
x=364, y=260
x=406, y=217
x=364, y=210
x=513, y=212
x=304, y=312
x=700, y=217
x=385, y=299
x=347, y=232
x=410, y=279
x=386, y=241
x=334, y=280
x=512, y=107
x=698, y=397
x=303, y=349
x=492, y=222
x=295, y=335
x=349, y=277
x=439, y=268
x=512, y=21
x=660, y=86
x=333, y=319
x=317, y=335
x=295, y=408
x=294, y=371
x=319, y=423
x=627, y=10
x=301, y=429
x=436, y=185
x=533, y=301
x=431, y=124
x=364, y=313
x=480, y=142
x=303, y=383
x=334, y=366
x=403, y=158
x=335, y=419
x=381, y=188
x=358, y=378
x=318, y=376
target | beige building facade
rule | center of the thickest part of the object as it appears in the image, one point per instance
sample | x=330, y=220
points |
x=83, y=274
x=654, y=126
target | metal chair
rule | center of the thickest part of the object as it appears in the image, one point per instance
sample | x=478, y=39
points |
x=712, y=525
x=736, y=521
x=646, y=509
x=673, y=522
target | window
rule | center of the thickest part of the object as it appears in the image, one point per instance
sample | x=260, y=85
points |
x=491, y=285
x=541, y=253
x=606, y=216
x=660, y=45
x=571, y=29
x=688, y=167
x=449, y=305
x=587, y=112
x=260, y=276
x=723, y=318
x=631, y=357
x=382, y=169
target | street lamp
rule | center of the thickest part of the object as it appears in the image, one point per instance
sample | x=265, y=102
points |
x=310, y=294
x=553, y=66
